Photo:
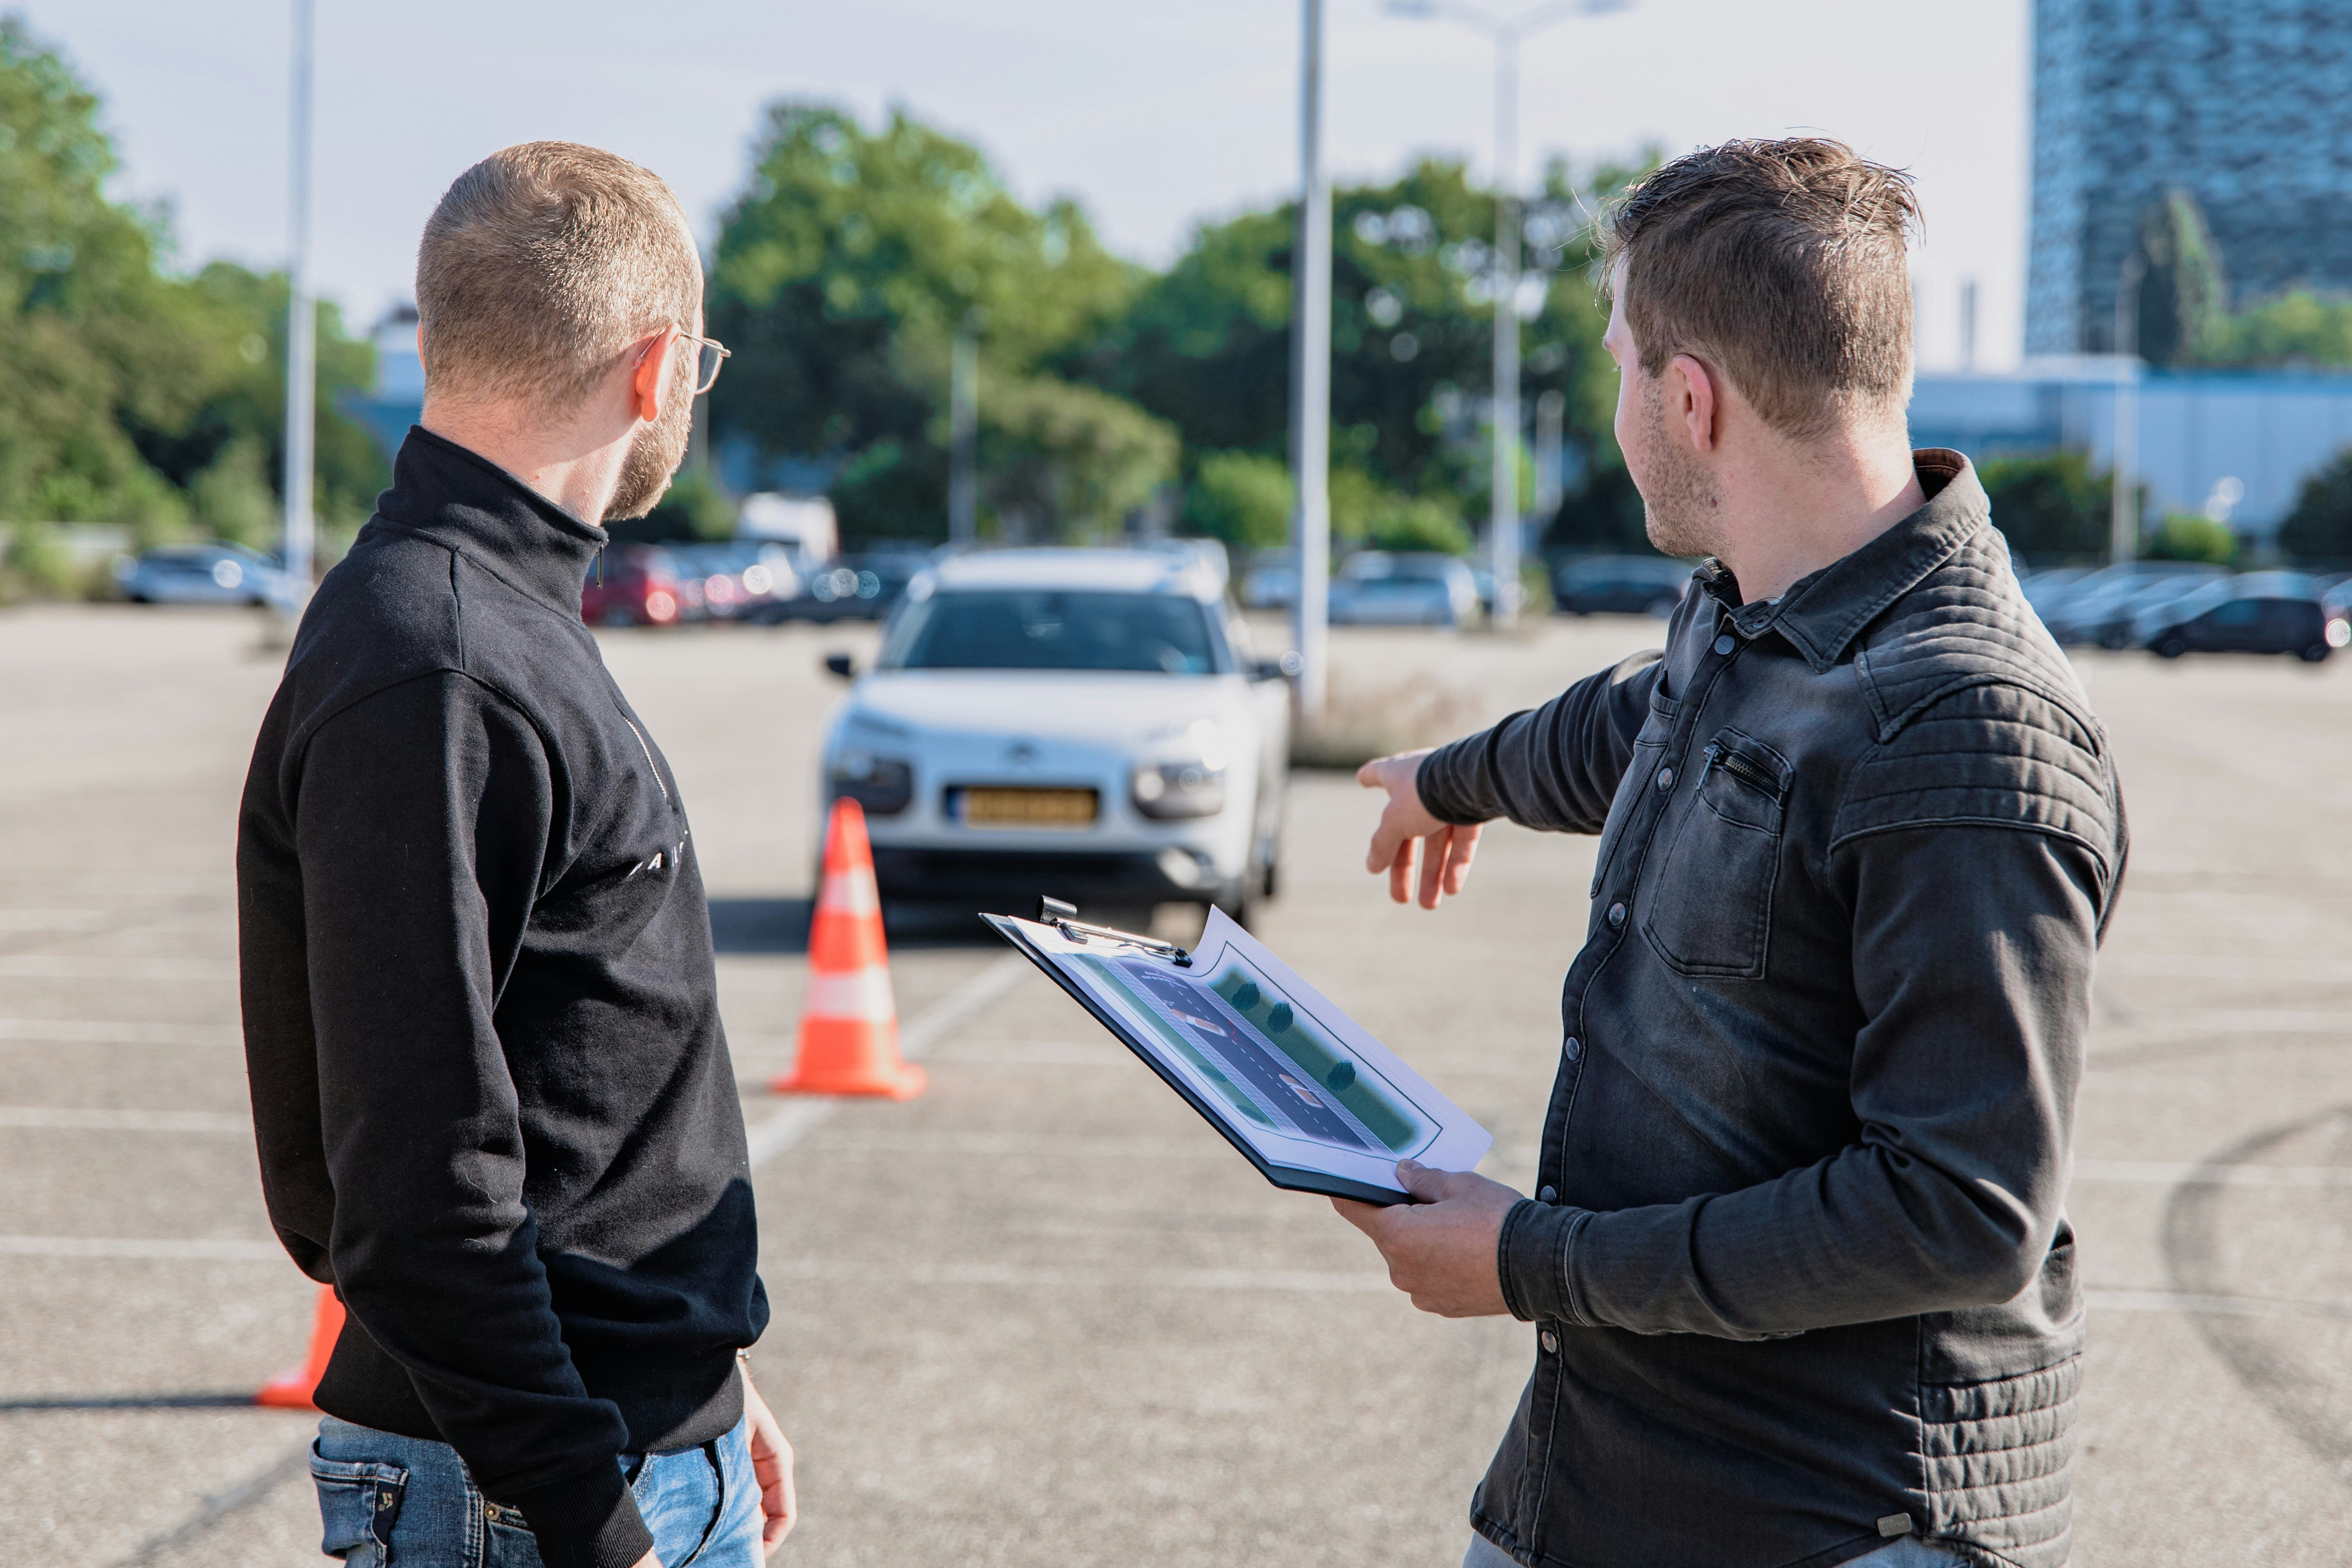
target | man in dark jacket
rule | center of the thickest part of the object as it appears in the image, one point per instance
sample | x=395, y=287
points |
x=493, y=1098
x=1799, y=1263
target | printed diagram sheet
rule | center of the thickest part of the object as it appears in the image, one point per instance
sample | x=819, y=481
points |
x=1294, y=1083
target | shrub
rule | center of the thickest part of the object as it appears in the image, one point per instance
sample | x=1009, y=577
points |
x=2192, y=536
x=1240, y=498
x=2049, y=507
x=1417, y=522
x=2321, y=523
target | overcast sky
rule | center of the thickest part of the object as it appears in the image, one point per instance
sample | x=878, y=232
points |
x=1155, y=116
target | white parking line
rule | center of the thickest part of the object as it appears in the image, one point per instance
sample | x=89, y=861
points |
x=1018, y=1277
x=77, y=1119
x=49, y=966
x=2211, y=1306
x=2174, y=1174
x=105, y=1032
x=134, y=1246
x=791, y=1122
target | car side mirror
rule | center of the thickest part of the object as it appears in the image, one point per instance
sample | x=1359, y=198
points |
x=840, y=665
x=1286, y=667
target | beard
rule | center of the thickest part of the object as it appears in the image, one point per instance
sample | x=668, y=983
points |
x=654, y=454
x=1679, y=499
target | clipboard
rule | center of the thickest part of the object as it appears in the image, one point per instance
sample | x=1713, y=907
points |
x=1301, y=1091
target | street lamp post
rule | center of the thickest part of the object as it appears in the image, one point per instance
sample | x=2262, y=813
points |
x=1507, y=32
x=1311, y=377
x=301, y=323
x=2122, y=518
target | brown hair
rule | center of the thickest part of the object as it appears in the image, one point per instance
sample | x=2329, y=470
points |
x=1782, y=263
x=542, y=265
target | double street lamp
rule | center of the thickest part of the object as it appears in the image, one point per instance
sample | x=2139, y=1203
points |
x=1506, y=32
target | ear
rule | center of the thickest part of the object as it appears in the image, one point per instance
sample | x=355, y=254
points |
x=1692, y=387
x=649, y=384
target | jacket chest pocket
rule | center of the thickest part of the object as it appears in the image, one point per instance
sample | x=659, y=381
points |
x=1711, y=907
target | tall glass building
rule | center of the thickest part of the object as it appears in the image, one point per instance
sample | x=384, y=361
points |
x=2244, y=105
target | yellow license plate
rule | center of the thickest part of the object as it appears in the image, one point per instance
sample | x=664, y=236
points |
x=1030, y=807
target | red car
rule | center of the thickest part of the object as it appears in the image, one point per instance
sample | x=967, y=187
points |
x=641, y=587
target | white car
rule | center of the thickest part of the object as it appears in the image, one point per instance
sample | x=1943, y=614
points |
x=1081, y=724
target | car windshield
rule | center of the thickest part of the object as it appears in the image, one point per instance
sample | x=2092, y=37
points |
x=1052, y=628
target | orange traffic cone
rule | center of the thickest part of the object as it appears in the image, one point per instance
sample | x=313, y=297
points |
x=850, y=1027
x=291, y=1389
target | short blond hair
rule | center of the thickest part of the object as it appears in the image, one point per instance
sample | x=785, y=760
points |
x=542, y=265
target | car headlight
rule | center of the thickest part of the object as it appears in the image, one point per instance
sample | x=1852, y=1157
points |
x=1182, y=770
x=883, y=786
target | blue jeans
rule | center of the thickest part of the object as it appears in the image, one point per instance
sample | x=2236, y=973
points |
x=407, y=1502
x=1908, y=1552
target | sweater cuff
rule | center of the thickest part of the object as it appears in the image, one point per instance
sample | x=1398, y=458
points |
x=586, y=1519
x=1532, y=1255
x=1433, y=780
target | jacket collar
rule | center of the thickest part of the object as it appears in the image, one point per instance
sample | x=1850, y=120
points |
x=465, y=502
x=1822, y=613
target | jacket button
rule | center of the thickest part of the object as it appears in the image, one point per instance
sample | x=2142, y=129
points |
x=1546, y=1194
x=1575, y=1048
x=1724, y=645
x=1616, y=917
x=1550, y=1342
x=1666, y=778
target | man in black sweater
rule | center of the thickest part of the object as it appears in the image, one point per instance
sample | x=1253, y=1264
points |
x=492, y=1095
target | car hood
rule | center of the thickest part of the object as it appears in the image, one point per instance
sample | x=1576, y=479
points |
x=1095, y=706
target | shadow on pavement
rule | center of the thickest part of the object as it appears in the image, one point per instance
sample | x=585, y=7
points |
x=782, y=925
x=133, y=1402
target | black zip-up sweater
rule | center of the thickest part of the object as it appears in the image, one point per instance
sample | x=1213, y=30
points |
x=492, y=1096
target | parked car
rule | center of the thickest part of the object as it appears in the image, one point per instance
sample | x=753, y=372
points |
x=1271, y=582
x=2110, y=621
x=203, y=575
x=635, y=585
x=1086, y=724
x=1621, y=584
x=2260, y=611
x=2047, y=590
x=733, y=580
x=2100, y=601
x=1417, y=588
x=856, y=588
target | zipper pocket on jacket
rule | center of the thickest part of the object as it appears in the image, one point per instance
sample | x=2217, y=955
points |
x=656, y=766
x=1744, y=770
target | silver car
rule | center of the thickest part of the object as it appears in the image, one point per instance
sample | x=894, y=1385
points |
x=1418, y=588
x=202, y=575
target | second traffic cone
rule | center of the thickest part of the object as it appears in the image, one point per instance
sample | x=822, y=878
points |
x=849, y=1026
x=291, y=1389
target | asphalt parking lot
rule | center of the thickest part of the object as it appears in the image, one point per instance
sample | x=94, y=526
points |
x=1039, y=1316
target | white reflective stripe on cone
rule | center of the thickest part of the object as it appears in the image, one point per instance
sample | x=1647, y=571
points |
x=862, y=994
x=850, y=893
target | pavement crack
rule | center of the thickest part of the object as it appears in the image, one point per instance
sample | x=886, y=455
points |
x=220, y=1506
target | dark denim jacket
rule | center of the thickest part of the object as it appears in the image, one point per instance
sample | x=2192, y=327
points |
x=1799, y=1262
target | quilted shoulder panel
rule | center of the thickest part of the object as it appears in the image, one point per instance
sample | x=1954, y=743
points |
x=1979, y=718
x=1965, y=623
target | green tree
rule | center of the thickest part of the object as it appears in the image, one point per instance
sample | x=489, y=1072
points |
x=2184, y=292
x=1241, y=498
x=2192, y=536
x=1207, y=345
x=843, y=274
x=126, y=383
x=2299, y=327
x=2320, y=526
x=2049, y=508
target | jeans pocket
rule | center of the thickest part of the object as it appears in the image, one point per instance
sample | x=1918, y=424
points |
x=358, y=1501
x=1711, y=908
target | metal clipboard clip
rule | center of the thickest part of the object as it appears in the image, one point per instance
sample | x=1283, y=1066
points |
x=1064, y=918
